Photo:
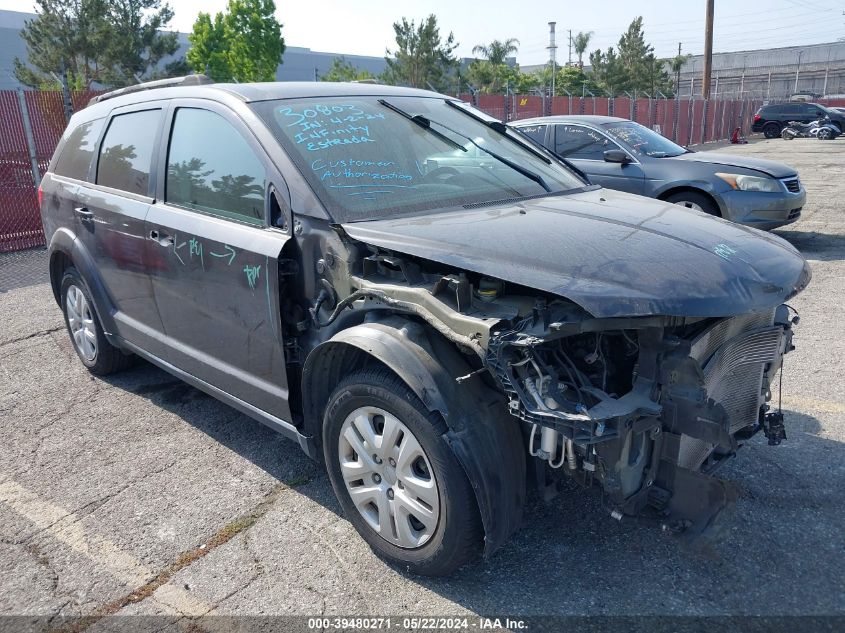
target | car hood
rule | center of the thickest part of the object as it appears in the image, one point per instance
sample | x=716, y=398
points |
x=612, y=253
x=770, y=167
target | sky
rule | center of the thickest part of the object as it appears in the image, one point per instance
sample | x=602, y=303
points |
x=364, y=27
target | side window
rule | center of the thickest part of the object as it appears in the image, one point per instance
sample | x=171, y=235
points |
x=126, y=152
x=78, y=151
x=536, y=133
x=211, y=168
x=574, y=141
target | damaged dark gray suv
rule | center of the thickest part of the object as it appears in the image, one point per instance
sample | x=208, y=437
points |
x=444, y=334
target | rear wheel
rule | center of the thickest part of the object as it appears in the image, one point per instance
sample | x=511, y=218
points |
x=398, y=481
x=694, y=200
x=86, y=333
x=771, y=130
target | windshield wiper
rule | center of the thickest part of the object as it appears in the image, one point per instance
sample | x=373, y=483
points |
x=502, y=159
x=423, y=123
x=497, y=126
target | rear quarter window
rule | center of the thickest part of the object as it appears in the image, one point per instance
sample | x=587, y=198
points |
x=536, y=133
x=75, y=158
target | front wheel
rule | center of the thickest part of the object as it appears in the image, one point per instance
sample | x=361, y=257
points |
x=694, y=200
x=396, y=478
x=825, y=134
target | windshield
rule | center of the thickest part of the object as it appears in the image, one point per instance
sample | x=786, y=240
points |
x=641, y=140
x=369, y=158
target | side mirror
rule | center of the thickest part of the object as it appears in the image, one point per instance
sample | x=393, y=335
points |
x=616, y=156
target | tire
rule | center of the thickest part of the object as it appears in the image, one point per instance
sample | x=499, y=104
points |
x=787, y=135
x=694, y=200
x=452, y=533
x=824, y=134
x=771, y=130
x=86, y=334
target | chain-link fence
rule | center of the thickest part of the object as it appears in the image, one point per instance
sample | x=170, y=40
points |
x=31, y=123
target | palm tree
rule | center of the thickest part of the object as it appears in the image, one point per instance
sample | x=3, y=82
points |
x=581, y=41
x=497, y=52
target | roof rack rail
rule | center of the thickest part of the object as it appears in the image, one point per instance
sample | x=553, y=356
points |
x=171, y=82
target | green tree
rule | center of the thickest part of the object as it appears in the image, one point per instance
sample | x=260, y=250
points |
x=676, y=63
x=574, y=80
x=496, y=52
x=111, y=42
x=632, y=67
x=580, y=42
x=422, y=58
x=342, y=70
x=208, y=53
x=243, y=43
x=492, y=74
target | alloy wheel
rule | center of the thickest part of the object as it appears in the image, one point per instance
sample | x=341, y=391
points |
x=389, y=477
x=81, y=323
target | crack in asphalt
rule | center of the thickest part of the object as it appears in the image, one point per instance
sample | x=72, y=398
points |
x=221, y=537
x=33, y=335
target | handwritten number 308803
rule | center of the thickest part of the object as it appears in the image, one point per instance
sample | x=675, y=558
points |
x=319, y=110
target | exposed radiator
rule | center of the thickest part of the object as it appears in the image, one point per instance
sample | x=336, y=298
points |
x=733, y=355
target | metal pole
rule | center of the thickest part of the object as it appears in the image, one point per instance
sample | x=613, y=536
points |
x=797, y=70
x=30, y=139
x=769, y=87
x=68, y=104
x=553, y=53
x=708, y=50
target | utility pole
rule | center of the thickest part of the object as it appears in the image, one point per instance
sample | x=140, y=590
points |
x=708, y=50
x=552, y=53
x=570, y=47
x=678, y=72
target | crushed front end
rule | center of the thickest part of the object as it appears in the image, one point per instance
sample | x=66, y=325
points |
x=647, y=408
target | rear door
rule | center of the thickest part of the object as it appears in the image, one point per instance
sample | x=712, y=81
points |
x=111, y=212
x=585, y=147
x=216, y=281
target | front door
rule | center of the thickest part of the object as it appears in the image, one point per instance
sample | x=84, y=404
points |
x=585, y=148
x=217, y=282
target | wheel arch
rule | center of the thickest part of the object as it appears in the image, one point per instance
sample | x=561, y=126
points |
x=664, y=195
x=484, y=437
x=67, y=251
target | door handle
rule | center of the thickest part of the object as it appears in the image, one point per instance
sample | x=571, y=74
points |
x=162, y=238
x=84, y=213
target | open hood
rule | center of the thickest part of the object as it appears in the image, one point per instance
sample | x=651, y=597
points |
x=770, y=167
x=612, y=253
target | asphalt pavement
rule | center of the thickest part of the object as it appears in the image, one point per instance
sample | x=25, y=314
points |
x=138, y=495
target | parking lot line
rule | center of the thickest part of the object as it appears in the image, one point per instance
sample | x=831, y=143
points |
x=66, y=527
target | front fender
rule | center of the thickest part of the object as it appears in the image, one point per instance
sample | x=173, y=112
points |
x=65, y=243
x=484, y=437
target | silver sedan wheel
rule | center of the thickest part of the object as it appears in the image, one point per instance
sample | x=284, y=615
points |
x=81, y=323
x=389, y=477
x=689, y=205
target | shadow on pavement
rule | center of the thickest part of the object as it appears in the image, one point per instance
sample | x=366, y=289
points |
x=814, y=245
x=780, y=549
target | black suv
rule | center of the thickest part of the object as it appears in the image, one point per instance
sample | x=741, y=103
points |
x=440, y=333
x=771, y=119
